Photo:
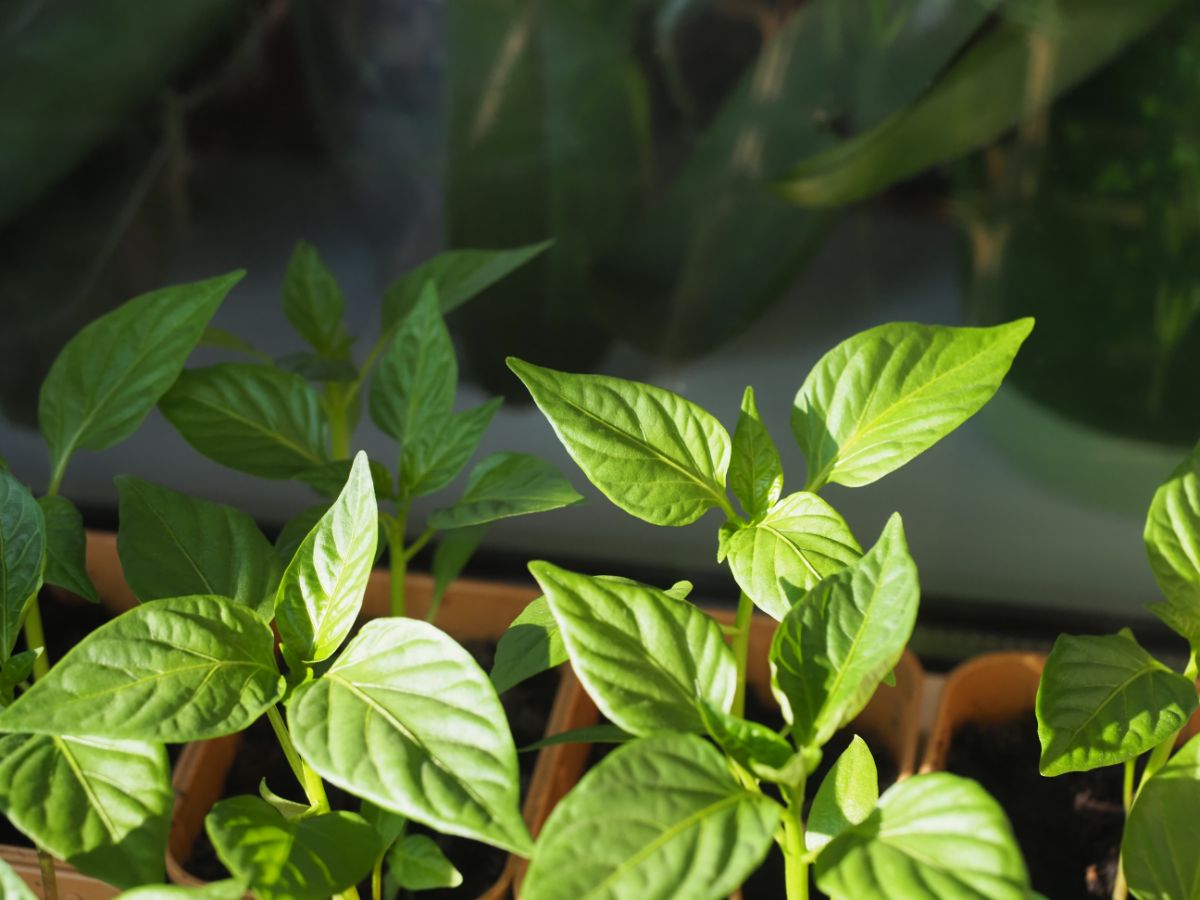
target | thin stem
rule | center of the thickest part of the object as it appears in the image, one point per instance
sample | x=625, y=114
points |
x=49, y=876
x=794, y=857
x=1120, y=885
x=1158, y=758
x=741, y=650
x=56, y=477
x=1127, y=791
x=377, y=879
x=35, y=638
x=416, y=546
x=285, y=741
x=397, y=561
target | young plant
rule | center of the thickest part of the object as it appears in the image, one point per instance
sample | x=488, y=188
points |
x=691, y=803
x=401, y=716
x=102, y=805
x=268, y=419
x=1103, y=700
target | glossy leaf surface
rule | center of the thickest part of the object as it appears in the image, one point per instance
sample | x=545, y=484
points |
x=505, y=485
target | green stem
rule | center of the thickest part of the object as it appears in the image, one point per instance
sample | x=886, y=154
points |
x=794, y=857
x=56, y=478
x=397, y=561
x=1127, y=791
x=285, y=741
x=49, y=876
x=416, y=546
x=741, y=650
x=1158, y=758
x=35, y=639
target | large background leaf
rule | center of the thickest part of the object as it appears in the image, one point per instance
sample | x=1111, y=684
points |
x=22, y=548
x=505, y=485
x=659, y=817
x=1172, y=538
x=1160, y=850
x=405, y=718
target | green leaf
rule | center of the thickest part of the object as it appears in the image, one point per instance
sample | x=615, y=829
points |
x=291, y=859
x=66, y=548
x=227, y=340
x=417, y=374
x=229, y=889
x=644, y=657
x=651, y=452
x=845, y=798
x=387, y=824
x=172, y=545
x=22, y=550
x=659, y=817
x=433, y=458
x=505, y=485
x=1103, y=700
x=799, y=541
x=313, y=367
x=842, y=637
x=329, y=478
x=109, y=376
x=885, y=395
x=1160, y=851
x=289, y=809
x=934, y=835
x=1172, y=538
x=418, y=864
x=406, y=719
x=453, y=551
x=531, y=645
x=103, y=806
x=604, y=733
x=458, y=275
x=322, y=589
x=16, y=669
x=255, y=419
x=12, y=886
x=293, y=533
x=750, y=743
x=169, y=671
x=313, y=302
x=755, y=471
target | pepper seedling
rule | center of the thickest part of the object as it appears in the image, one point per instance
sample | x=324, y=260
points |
x=1104, y=700
x=267, y=418
x=691, y=802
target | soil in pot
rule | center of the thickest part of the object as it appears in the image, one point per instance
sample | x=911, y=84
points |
x=1068, y=827
x=528, y=709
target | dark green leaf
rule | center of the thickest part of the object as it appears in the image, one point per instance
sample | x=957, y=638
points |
x=226, y=340
x=296, y=530
x=604, y=733
x=1172, y=537
x=16, y=669
x=329, y=479
x=755, y=471
x=169, y=671
x=453, y=551
x=109, y=376
x=845, y=798
x=659, y=817
x=651, y=452
x=503, y=485
x=172, y=545
x=22, y=550
x=66, y=548
x=1103, y=700
x=1160, y=851
x=885, y=395
x=433, y=458
x=418, y=864
x=532, y=644
x=313, y=302
x=387, y=824
x=255, y=419
x=318, y=368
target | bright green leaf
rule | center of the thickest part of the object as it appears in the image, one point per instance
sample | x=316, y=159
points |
x=387, y=824
x=172, y=545
x=885, y=395
x=845, y=798
x=505, y=485
x=1160, y=851
x=651, y=452
x=329, y=479
x=322, y=589
x=255, y=419
x=418, y=864
x=799, y=541
x=289, y=809
x=750, y=743
x=228, y=889
x=1172, y=537
x=433, y=458
x=842, y=637
x=406, y=719
x=934, y=835
x=66, y=548
x=291, y=859
x=660, y=817
x=22, y=550
x=453, y=552
x=755, y=470
x=109, y=376
x=170, y=671
x=644, y=657
x=12, y=886
x=1103, y=700
x=104, y=806
x=313, y=302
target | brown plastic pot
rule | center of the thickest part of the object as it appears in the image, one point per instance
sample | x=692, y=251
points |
x=893, y=714
x=72, y=884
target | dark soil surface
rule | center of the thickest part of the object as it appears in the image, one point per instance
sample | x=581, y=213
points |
x=1069, y=827
x=528, y=708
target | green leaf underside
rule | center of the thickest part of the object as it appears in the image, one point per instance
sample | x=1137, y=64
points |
x=845, y=798
x=883, y=396
x=432, y=459
x=322, y=589
x=505, y=485
x=282, y=859
x=418, y=864
x=12, y=886
x=654, y=454
x=66, y=548
x=1103, y=700
x=289, y=809
x=644, y=657
x=1172, y=538
x=659, y=817
x=604, y=733
x=406, y=719
x=313, y=302
x=109, y=376
x=172, y=545
x=843, y=637
x=1160, y=850
x=22, y=549
x=799, y=541
x=103, y=806
x=755, y=470
x=934, y=835
x=169, y=671
x=256, y=419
